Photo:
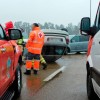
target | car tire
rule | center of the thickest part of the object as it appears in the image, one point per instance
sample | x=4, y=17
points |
x=67, y=51
x=77, y=52
x=18, y=81
x=90, y=90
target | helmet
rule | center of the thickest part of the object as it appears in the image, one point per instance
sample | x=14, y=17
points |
x=9, y=25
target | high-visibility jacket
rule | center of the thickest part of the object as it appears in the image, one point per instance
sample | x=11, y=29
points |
x=35, y=41
x=20, y=41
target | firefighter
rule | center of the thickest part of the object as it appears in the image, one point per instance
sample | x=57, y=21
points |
x=20, y=43
x=34, y=46
x=8, y=25
x=42, y=61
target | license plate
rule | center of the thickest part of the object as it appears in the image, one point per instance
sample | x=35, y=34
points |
x=55, y=39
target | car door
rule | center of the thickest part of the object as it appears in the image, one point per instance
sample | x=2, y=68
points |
x=73, y=43
x=83, y=43
x=7, y=59
x=85, y=40
x=1, y=67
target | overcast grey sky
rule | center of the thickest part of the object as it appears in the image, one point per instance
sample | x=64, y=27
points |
x=56, y=11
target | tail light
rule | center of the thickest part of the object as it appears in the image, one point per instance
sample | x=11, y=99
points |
x=67, y=39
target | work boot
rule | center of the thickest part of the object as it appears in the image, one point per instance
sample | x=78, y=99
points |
x=28, y=72
x=44, y=66
x=35, y=72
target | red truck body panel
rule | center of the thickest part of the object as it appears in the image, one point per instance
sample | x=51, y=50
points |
x=8, y=63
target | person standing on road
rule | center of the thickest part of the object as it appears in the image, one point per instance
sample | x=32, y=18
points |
x=34, y=47
x=20, y=42
x=42, y=61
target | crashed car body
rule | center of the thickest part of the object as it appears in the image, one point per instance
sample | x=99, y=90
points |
x=54, y=44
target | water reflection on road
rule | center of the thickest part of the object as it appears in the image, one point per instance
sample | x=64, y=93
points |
x=32, y=84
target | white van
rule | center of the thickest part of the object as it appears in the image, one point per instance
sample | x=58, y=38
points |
x=93, y=56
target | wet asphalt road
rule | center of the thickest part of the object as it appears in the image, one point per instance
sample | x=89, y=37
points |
x=69, y=85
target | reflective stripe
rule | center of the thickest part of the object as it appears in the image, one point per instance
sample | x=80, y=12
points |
x=37, y=42
x=36, y=69
x=37, y=60
x=28, y=60
x=28, y=68
x=34, y=41
x=34, y=48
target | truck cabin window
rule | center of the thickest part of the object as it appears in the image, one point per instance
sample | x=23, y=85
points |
x=1, y=33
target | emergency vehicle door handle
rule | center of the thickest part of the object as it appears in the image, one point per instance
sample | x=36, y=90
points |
x=3, y=50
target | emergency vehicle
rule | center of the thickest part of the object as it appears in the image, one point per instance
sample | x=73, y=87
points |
x=93, y=55
x=10, y=64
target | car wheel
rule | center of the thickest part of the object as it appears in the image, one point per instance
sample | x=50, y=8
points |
x=90, y=91
x=77, y=52
x=67, y=51
x=18, y=82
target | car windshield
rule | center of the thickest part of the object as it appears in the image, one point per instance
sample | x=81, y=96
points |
x=1, y=33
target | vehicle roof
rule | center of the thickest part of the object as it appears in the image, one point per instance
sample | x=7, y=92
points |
x=54, y=31
x=71, y=36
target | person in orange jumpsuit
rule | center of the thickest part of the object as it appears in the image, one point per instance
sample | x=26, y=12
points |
x=34, y=47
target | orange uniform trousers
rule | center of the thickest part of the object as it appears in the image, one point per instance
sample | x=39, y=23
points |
x=29, y=61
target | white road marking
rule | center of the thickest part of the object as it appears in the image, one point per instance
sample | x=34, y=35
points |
x=54, y=74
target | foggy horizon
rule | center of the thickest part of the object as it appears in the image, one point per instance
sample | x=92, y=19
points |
x=41, y=11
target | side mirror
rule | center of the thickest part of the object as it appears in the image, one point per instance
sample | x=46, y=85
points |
x=15, y=34
x=85, y=26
